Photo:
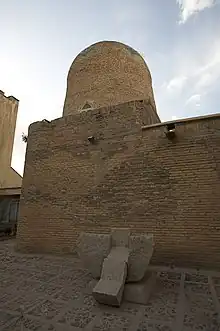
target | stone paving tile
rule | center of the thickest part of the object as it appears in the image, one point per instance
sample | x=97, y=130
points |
x=28, y=324
x=165, y=292
x=160, y=312
x=71, y=277
x=198, y=300
x=20, y=273
x=162, y=305
x=5, y=296
x=41, y=276
x=199, y=319
x=196, y=278
x=170, y=276
x=7, y=282
x=84, y=279
x=55, y=293
x=22, y=303
x=50, y=267
x=126, y=309
x=47, y=309
x=72, y=285
x=88, y=300
x=150, y=326
x=6, y=318
x=65, y=294
x=48, y=289
x=199, y=288
x=60, y=327
x=112, y=322
x=25, y=285
x=77, y=317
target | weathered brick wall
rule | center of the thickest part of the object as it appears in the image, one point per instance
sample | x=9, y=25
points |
x=8, y=116
x=107, y=73
x=131, y=177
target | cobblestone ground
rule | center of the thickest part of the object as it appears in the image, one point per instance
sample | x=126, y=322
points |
x=51, y=293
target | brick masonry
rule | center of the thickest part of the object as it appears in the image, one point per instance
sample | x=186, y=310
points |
x=8, y=115
x=107, y=73
x=131, y=176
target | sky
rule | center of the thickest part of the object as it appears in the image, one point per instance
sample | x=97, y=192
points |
x=179, y=40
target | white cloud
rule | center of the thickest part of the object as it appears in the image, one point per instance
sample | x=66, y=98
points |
x=194, y=100
x=176, y=84
x=201, y=76
x=191, y=7
x=210, y=72
x=193, y=79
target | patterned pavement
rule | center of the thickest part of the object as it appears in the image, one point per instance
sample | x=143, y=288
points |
x=41, y=292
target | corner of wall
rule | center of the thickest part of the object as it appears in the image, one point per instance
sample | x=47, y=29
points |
x=13, y=99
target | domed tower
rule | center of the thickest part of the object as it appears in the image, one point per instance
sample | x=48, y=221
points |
x=107, y=73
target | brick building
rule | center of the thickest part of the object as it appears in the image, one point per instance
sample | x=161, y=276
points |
x=110, y=162
x=10, y=180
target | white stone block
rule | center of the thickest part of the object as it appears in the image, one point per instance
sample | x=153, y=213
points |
x=109, y=290
x=92, y=250
x=141, y=250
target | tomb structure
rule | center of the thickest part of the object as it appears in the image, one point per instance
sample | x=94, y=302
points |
x=109, y=162
x=118, y=259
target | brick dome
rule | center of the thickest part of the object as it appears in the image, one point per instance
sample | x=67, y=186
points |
x=107, y=73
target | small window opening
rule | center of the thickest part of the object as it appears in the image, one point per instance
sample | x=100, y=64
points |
x=170, y=130
x=91, y=139
x=86, y=106
x=170, y=126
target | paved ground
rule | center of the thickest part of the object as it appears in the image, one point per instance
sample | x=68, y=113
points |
x=50, y=293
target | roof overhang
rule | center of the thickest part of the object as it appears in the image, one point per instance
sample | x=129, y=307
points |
x=10, y=191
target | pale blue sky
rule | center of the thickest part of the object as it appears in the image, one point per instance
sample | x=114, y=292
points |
x=179, y=39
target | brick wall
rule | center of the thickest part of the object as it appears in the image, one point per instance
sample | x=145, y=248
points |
x=107, y=73
x=8, y=115
x=132, y=176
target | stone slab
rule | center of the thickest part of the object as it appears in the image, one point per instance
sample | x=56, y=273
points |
x=140, y=292
x=115, y=264
x=109, y=290
x=119, y=254
x=141, y=250
x=92, y=250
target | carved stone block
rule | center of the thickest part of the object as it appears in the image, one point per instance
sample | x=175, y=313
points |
x=109, y=290
x=92, y=250
x=140, y=292
x=141, y=250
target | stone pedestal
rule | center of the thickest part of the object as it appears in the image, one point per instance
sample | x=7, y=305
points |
x=141, y=250
x=116, y=259
x=140, y=292
x=92, y=250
